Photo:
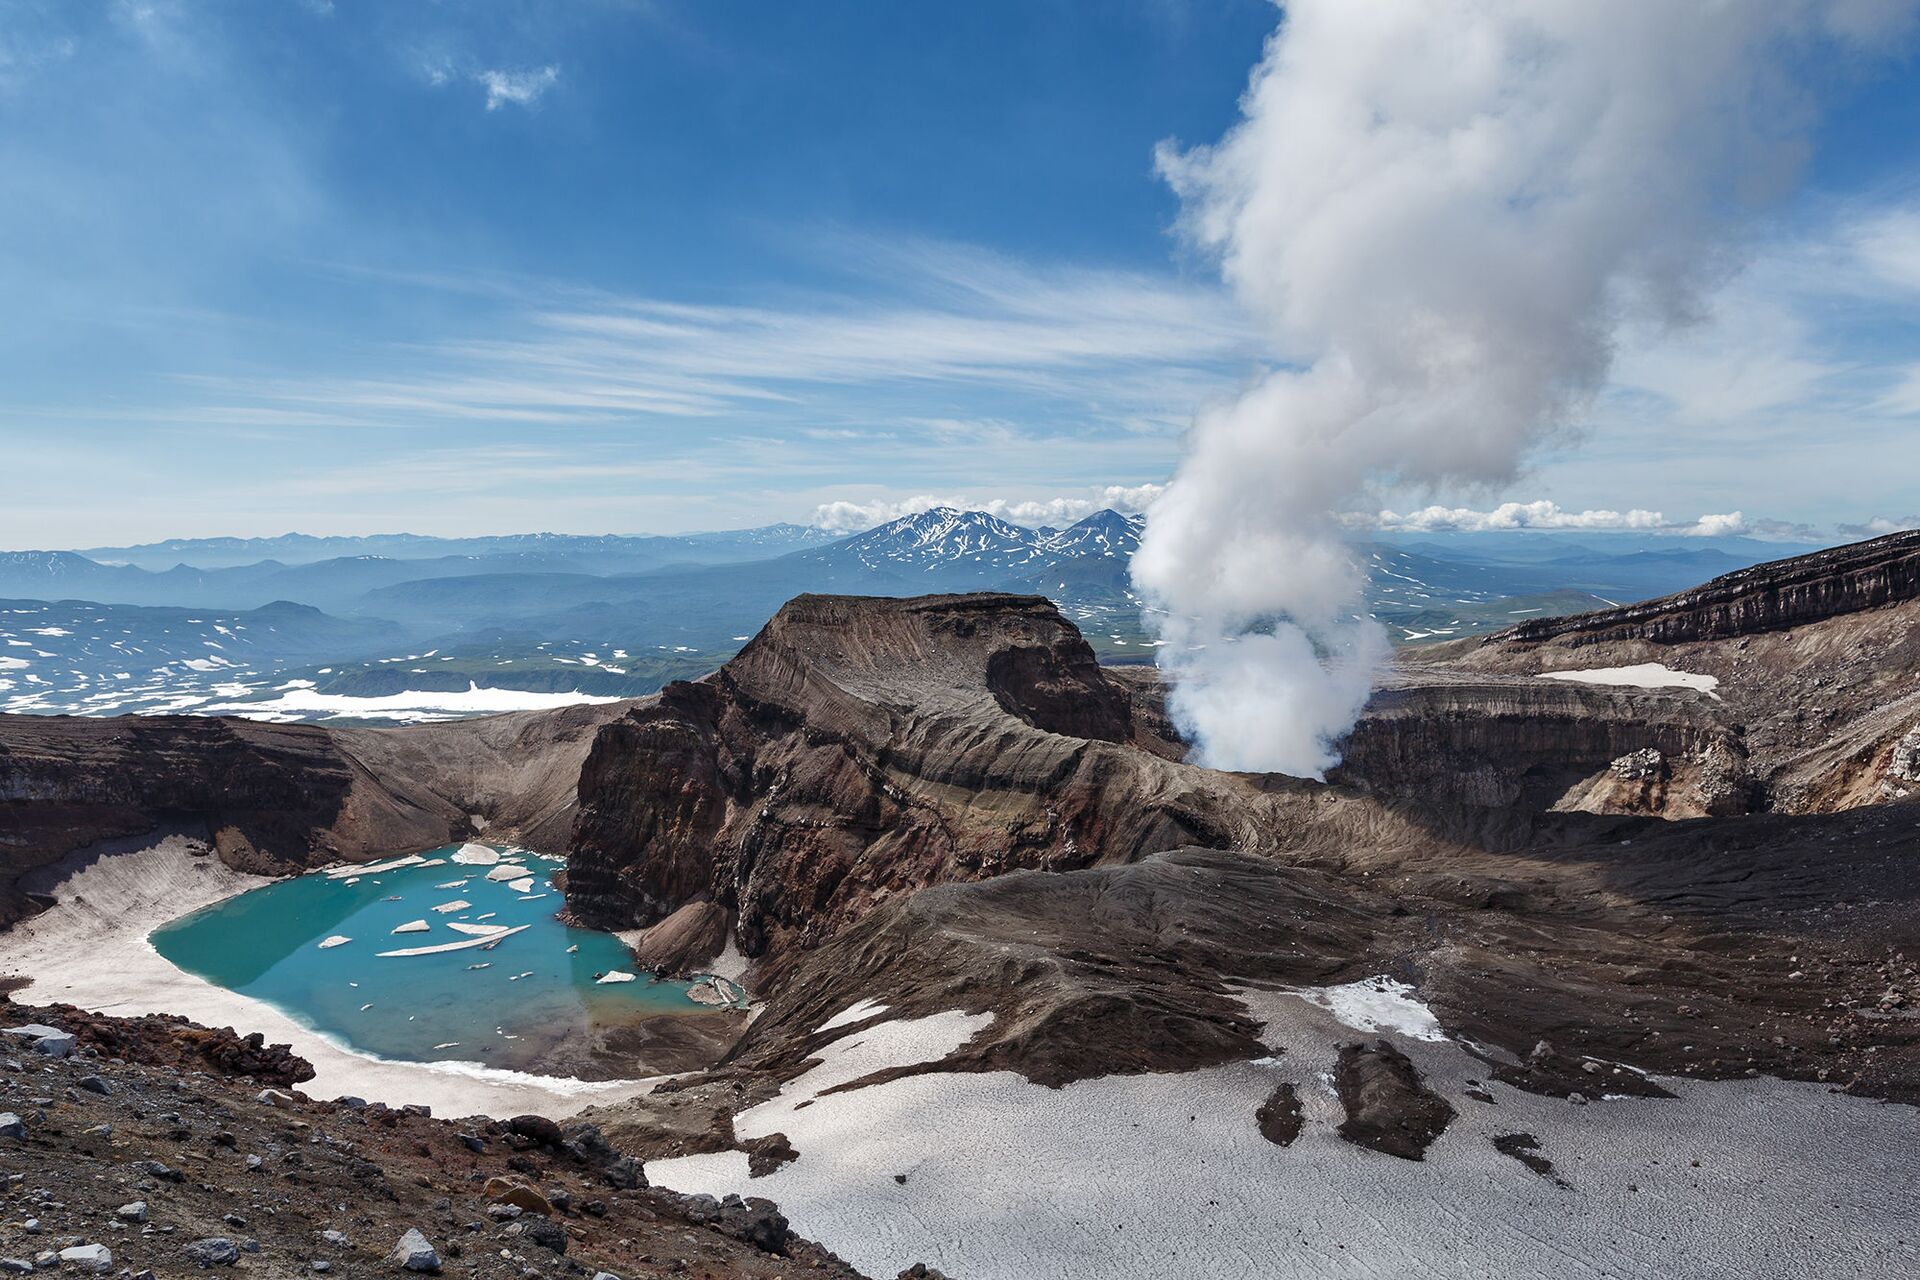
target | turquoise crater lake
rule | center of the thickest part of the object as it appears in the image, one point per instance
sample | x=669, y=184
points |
x=524, y=998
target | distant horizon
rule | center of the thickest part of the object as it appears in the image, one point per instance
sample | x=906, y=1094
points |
x=1678, y=534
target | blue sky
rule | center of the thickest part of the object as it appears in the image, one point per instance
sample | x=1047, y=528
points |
x=469, y=268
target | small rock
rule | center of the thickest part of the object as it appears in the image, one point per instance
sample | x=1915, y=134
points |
x=134, y=1211
x=508, y=1192
x=12, y=1126
x=537, y=1128
x=273, y=1098
x=88, y=1257
x=321, y=1264
x=50, y=1041
x=254, y=1162
x=626, y=1174
x=155, y=1169
x=214, y=1251
x=544, y=1232
x=15, y=1267
x=338, y=1239
x=94, y=1084
x=235, y=1221
x=413, y=1253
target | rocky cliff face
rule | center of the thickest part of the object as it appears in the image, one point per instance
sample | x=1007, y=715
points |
x=1815, y=664
x=1495, y=743
x=280, y=798
x=1766, y=597
x=861, y=748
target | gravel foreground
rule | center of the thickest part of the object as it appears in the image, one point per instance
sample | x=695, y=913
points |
x=118, y=1167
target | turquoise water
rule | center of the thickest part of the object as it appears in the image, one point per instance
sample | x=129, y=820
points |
x=501, y=1006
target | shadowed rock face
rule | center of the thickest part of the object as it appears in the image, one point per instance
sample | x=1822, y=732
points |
x=1816, y=660
x=861, y=748
x=1520, y=742
x=275, y=799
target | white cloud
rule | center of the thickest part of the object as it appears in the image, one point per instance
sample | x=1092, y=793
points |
x=521, y=88
x=1543, y=515
x=1539, y=514
x=1879, y=526
x=1716, y=526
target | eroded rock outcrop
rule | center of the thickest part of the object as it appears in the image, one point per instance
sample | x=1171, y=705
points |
x=862, y=748
x=280, y=798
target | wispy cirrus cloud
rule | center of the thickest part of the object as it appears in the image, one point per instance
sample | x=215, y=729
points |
x=520, y=88
x=1052, y=347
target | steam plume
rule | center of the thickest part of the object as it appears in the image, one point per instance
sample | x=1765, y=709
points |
x=1443, y=210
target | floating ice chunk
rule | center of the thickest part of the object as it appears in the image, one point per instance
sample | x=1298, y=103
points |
x=575, y=947
x=343, y=873
x=522, y=885
x=532, y=897
x=487, y=941
x=477, y=930
x=475, y=855
x=507, y=871
x=484, y=964
x=448, y=908
x=414, y=926
x=365, y=1007
x=487, y=915
x=1377, y=1004
x=516, y=977
x=335, y=940
x=451, y=1044
x=614, y=976
x=452, y=884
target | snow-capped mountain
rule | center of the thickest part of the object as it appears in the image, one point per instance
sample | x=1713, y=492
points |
x=941, y=539
x=1104, y=533
x=946, y=542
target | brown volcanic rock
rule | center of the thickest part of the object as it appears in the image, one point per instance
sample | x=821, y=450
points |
x=861, y=748
x=1497, y=742
x=169, y=1040
x=1818, y=664
x=275, y=799
x=1388, y=1107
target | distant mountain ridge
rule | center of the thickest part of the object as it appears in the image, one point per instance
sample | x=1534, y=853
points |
x=302, y=548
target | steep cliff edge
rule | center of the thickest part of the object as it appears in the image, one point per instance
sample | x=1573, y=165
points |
x=1766, y=597
x=861, y=748
x=280, y=798
x=1811, y=669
